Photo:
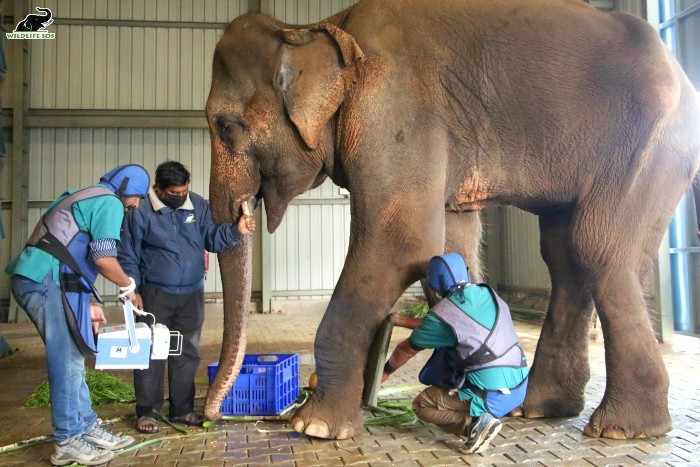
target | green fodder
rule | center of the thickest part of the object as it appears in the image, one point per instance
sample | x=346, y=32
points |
x=394, y=412
x=417, y=310
x=104, y=389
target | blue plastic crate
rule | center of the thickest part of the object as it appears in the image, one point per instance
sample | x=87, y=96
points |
x=266, y=385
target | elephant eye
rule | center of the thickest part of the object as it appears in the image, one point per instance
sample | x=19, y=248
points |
x=225, y=130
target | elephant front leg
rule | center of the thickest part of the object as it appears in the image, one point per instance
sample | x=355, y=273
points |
x=381, y=263
x=560, y=370
x=343, y=340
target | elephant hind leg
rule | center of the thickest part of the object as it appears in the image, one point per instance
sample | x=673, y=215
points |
x=635, y=402
x=560, y=369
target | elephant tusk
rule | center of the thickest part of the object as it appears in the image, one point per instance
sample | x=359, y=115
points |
x=245, y=207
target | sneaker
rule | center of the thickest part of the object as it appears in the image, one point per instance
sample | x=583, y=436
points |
x=76, y=449
x=482, y=432
x=104, y=439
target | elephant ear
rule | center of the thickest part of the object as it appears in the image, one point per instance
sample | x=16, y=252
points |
x=317, y=66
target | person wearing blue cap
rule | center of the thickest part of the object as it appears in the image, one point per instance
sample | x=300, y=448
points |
x=478, y=371
x=53, y=279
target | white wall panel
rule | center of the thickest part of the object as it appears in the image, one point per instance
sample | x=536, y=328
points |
x=220, y=11
x=523, y=264
x=309, y=247
x=109, y=67
x=303, y=11
x=64, y=159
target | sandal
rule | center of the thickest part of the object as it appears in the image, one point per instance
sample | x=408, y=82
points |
x=190, y=419
x=147, y=425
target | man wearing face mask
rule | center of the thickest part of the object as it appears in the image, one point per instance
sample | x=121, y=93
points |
x=162, y=248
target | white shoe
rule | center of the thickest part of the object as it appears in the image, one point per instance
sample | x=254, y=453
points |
x=76, y=449
x=106, y=440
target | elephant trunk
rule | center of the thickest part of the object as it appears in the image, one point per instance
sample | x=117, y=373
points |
x=236, y=267
x=46, y=11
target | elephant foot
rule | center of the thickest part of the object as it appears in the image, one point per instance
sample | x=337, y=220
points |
x=322, y=418
x=552, y=409
x=627, y=422
x=541, y=404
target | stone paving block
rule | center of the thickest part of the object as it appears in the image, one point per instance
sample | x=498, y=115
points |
x=368, y=450
x=306, y=448
x=659, y=459
x=302, y=456
x=522, y=457
x=191, y=459
x=354, y=459
x=441, y=462
x=329, y=459
x=486, y=458
x=566, y=454
x=312, y=463
x=612, y=451
x=242, y=454
x=602, y=461
x=402, y=458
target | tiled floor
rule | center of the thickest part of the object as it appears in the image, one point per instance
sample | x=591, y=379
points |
x=538, y=442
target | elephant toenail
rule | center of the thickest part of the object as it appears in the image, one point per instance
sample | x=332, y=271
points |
x=318, y=430
x=299, y=426
x=346, y=432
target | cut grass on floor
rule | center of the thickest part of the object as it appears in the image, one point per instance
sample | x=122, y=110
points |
x=104, y=389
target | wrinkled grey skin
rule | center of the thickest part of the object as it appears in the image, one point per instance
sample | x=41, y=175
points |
x=427, y=113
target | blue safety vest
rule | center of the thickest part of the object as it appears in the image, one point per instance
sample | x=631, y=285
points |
x=477, y=346
x=58, y=234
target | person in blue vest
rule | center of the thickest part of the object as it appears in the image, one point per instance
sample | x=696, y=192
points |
x=477, y=372
x=162, y=248
x=53, y=279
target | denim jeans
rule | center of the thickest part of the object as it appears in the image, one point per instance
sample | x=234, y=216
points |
x=71, y=407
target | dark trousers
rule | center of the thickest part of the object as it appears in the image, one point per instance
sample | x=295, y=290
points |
x=184, y=313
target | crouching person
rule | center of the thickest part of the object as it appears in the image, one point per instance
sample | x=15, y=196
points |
x=478, y=372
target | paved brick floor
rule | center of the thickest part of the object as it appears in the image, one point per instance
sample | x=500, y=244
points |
x=538, y=442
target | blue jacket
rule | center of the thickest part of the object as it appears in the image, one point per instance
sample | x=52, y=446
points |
x=164, y=248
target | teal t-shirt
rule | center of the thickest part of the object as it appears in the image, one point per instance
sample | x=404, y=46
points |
x=433, y=333
x=100, y=217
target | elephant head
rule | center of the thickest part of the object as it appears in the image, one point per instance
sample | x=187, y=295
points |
x=271, y=111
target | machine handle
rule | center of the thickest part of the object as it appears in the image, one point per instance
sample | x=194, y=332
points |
x=130, y=326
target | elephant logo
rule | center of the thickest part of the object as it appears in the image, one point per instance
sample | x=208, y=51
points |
x=33, y=26
x=34, y=22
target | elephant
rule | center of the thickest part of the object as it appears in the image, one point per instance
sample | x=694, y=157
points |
x=428, y=113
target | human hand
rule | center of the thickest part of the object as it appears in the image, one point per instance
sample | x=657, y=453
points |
x=385, y=376
x=246, y=224
x=97, y=315
x=137, y=301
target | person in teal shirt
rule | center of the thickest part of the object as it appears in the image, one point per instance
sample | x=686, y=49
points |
x=478, y=372
x=53, y=279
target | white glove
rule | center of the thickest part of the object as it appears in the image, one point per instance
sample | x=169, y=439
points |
x=128, y=289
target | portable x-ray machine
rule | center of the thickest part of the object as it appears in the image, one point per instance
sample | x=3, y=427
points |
x=132, y=346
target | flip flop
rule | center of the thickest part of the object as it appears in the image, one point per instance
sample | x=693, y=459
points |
x=190, y=419
x=147, y=425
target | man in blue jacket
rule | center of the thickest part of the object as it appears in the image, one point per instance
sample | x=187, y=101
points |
x=162, y=248
x=52, y=280
x=478, y=372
